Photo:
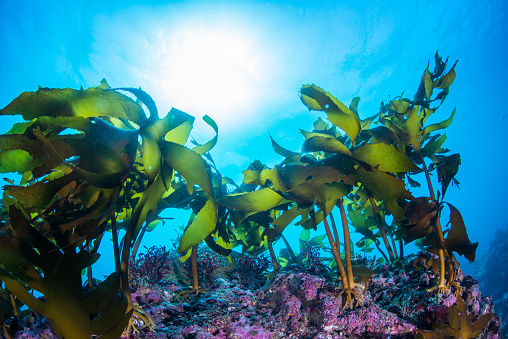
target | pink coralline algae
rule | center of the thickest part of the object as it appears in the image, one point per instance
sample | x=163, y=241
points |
x=294, y=304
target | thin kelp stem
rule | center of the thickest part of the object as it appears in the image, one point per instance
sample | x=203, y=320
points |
x=401, y=248
x=347, y=244
x=275, y=263
x=439, y=231
x=7, y=334
x=140, y=237
x=292, y=254
x=394, y=247
x=335, y=251
x=335, y=233
x=90, y=278
x=116, y=248
x=14, y=306
x=381, y=251
x=124, y=262
x=194, y=266
x=380, y=225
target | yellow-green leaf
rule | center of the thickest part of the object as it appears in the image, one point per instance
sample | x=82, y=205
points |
x=282, y=222
x=200, y=228
x=15, y=161
x=386, y=188
x=441, y=125
x=189, y=164
x=260, y=200
x=202, y=149
x=386, y=156
x=324, y=143
x=446, y=80
x=92, y=102
x=338, y=114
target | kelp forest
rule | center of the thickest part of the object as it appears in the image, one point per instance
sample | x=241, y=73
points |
x=101, y=163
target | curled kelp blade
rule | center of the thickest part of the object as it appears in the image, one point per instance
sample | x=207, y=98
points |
x=256, y=201
x=202, y=149
x=145, y=98
x=340, y=115
x=189, y=164
x=174, y=127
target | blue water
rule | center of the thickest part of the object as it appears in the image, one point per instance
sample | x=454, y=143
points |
x=243, y=63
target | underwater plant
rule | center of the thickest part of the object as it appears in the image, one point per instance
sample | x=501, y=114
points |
x=92, y=161
x=83, y=172
x=150, y=267
x=372, y=166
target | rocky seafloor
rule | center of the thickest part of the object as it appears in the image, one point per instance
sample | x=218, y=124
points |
x=298, y=303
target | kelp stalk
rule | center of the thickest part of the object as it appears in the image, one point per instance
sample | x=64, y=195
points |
x=335, y=233
x=347, y=244
x=275, y=263
x=335, y=251
x=439, y=232
x=380, y=225
x=194, y=265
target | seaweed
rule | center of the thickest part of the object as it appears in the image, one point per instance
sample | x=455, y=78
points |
x=92, y=161
x=84, y=172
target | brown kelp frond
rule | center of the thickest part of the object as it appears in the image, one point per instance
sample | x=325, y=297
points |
x=460, y=324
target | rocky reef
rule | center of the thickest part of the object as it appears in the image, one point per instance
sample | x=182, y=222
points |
x=297, y=304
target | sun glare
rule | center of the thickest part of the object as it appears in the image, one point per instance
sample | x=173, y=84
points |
x=211, y=72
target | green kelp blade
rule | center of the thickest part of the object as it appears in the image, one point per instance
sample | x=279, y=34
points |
x=283, y=221
x=150, y=197
x=419, y=215
x=220, y=246
x=425, y=89
x=324, y=143
x=40, y=194
x=353, y=106
x=433, y=145
x=174, y=127
x=320, y=125
x=44, y=159
x=362, y=221
x=457, y=239
x=281, y=150
x=92, y=102
x=386, y=188
x=386, y=157
x=256, y=201
x=340, y=115
x=200, y=228
x=446, y=80
x=381, y=134
x=96, y=167
x=202, y=149
x=189, y=164
x=145, y=98
x=16, y=161
x=441, y=125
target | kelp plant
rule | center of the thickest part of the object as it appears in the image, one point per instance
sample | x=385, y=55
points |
x=372, y=166
x=92, y=161
x=88, y=159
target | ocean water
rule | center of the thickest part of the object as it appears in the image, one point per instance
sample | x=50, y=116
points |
x=243, y=63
